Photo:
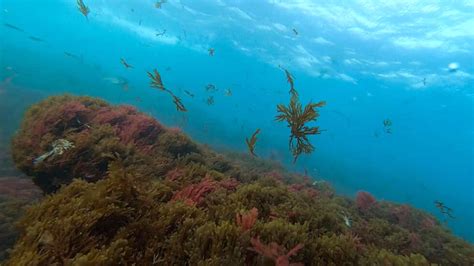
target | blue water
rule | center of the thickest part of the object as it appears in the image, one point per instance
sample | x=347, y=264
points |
x=369, y=61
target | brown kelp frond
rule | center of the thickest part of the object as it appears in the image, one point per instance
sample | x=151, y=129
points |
x=290, y=80
x=178, y=103
x=155, y=80
x=297, y=117
x=251, y=143
x=82, y=8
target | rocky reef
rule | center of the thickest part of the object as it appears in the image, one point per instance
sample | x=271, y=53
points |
x=124, y=189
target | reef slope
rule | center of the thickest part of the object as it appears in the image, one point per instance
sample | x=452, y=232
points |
x=124, y=189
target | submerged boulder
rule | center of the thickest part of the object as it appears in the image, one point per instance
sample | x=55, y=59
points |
x=66, y=137
x=160, y=199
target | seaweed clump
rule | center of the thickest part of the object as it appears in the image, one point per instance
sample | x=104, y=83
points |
x=209, y=209
x=297, y=119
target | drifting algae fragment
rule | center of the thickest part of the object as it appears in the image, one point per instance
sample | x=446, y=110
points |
x=178, y=103
x=297, y=118
x=156, y=82
x=83, y=8
x=59, y=147
x=290, y=80
x=155, y=78
x=251, y=143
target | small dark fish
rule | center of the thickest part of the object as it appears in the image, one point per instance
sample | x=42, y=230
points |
x=211, y=51
x=228, y=92
x=72, y=55
x=133, y=10
x=168, y=68
x=424, y=81
x=161, y=33
x=444, y=209
x=125, y=63
x=210, y=100
x=294, y=30
x=36, y=39
x=140, y=22
x=13, y=27
x=210, y=87
x=189, y=93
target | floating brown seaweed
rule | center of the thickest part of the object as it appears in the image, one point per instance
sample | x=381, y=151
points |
x=297, y=118
x=178, y=103
x=83, y=8
x=251, y=143
x=290, y=80
x=155, y=80
x=127, y=65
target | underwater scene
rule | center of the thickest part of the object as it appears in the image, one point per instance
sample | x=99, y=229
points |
x=244, y=132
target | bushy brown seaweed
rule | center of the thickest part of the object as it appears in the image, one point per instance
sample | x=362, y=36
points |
x=156, y=82
x=297, y=119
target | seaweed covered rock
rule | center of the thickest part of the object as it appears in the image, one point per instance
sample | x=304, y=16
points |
x=66, y=137
x=172, y=202
x=128, y=218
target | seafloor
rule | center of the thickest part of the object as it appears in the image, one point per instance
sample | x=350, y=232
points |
x=123, y=189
